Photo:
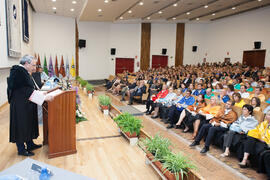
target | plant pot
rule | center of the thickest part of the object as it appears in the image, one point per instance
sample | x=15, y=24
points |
x=90, y=95
x=131, y=135
x=151, y=157
x=170, y=176
x=103, y=107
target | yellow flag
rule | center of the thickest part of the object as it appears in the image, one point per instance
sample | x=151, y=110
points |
x=72, y=69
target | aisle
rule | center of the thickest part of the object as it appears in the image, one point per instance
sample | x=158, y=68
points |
x=102, y=153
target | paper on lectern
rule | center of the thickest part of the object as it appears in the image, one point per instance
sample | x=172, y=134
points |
x=54, y=93
x=37, y=97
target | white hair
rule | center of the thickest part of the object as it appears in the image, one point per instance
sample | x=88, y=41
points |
x=26, y=58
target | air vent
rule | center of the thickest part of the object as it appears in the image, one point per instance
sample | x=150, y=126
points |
x=156, y=2
x=189, y=4
x=100, y=15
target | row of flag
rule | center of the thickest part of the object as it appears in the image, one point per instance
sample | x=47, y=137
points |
x=63, y=71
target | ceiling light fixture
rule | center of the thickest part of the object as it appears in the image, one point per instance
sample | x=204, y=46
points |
x=197, y=19
x=206, y=6
x=106, y=1
x=213, y=14
x=129, y=11
x=121, y=17
x=233, y=8
x=175, y=4
x=54, y=8
x=259, y=0
x=53, y=0
x=160, y=12
x=148, y=18
x=74, y=2
x=141, y=3
x=174, y=18
x=188, y=13
x=72, y=9
x=99, y=10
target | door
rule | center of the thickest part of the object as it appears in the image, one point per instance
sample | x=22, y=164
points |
x=159, y=61
x=254, y=58
x=124, y=64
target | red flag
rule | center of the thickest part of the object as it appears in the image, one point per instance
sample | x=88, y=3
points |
x=56, y=67
x=62, y=67
x=38, y=64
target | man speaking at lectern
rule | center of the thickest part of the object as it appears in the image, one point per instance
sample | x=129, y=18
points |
x=23, y=97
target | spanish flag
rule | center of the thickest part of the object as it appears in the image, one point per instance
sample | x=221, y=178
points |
x=72, y=69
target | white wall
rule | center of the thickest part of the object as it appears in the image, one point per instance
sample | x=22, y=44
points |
x=54, y=35
x=163, y=36
x=233, y=34
x=95, y=60
x=6, y=61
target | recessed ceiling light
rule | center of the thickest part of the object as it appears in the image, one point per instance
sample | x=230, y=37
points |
x=106, y=1
x=259, y=0
x=53, y=0
x=54, y=8
x=206, y=6
x=148, y=17
x=72, y=9
x=197, y=19
x=99, y=10
x=160, y=12
x=233, y=8
x=141, y=3
x=175, y=4
x=174, y=18
x=213, y=14
x=188, y=13
x=121, y=17
x=74, y=2
x=129, y=11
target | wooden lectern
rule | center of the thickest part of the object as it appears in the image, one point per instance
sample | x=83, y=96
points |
x=59, y=124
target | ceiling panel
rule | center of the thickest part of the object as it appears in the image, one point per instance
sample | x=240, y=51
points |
x=63, y=7
x=87, y=10
x=110, y=10
x=238, y=9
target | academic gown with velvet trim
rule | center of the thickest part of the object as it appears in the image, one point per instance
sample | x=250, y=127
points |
x=23, y=113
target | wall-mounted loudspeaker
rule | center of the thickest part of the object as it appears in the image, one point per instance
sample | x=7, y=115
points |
x=82, y=43
x=113, y=51
x=257, y=45
x=164, y=51
x=194, y=48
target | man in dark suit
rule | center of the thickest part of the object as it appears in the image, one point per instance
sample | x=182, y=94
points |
x=187, y=80
x=23, y=112
x=138, y=91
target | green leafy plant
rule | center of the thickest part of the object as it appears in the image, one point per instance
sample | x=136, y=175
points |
x=177, y=164
x=79, y=115
x=79, y=79
x=158, y=146
x=104, y=100
x=83, y=83
x=89, y=87
x=129, y=123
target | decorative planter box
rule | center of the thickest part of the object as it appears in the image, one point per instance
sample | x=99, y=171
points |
x=133, y=139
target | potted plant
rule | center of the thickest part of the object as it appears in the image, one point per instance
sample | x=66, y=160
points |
x=78, y=79
x=176, y=166
x=104, y=102
x=89, y=90
x=157, y=147
x=129, y=124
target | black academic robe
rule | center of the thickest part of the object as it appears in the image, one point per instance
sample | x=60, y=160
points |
x=23, y=113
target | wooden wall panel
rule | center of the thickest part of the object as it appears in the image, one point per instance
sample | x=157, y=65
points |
x=179, y=48
x=145, y=46
x=77, y=48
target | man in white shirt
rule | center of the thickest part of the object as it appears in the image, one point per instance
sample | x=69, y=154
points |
x=243, y=92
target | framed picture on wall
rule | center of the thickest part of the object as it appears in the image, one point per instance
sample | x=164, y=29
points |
x=25, y=21
x=13, y=12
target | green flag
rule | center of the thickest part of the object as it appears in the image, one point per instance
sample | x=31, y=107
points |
x=45, y=68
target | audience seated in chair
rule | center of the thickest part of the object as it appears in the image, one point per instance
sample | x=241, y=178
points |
x=137, y=91
x=215, y=125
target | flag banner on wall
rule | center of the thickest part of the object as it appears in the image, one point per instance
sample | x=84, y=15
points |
x=62, y=68
x=38, y=63
x=72, y=69
x=56, y=67
x=45, y=67
x=51, y=71
x=67, y=68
